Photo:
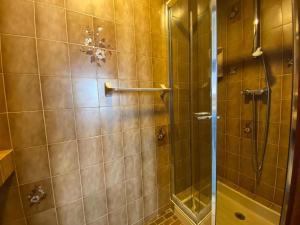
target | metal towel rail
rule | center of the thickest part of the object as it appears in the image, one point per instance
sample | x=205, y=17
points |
x=109, y=90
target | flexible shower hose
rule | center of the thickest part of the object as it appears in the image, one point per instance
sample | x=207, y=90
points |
x=257, y=163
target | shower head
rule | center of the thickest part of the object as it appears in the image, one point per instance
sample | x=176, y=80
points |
x=257, y=52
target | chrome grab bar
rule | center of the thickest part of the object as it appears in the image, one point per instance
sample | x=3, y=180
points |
x=109, y=89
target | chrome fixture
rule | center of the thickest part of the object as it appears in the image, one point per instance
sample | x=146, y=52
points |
x=257, y=52
x=36, y=195
x=109, y=90
x=256, y=92
x=248, y=128
x=204, y=116
x=161, y=134
x=96, y=46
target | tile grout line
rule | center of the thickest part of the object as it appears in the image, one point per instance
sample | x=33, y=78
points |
x=43, y=110
x=73, y=110
x=122, y=111
x=139, y=116
x=154, y=103
x=108, y=212
x=241, y=97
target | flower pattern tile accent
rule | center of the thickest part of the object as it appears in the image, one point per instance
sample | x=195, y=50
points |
x=96, y=46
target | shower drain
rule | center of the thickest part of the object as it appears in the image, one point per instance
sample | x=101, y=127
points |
x=240, y=216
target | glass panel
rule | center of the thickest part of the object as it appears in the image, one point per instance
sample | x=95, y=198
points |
x=179, y=28
x=190, y=78
x=201, y=104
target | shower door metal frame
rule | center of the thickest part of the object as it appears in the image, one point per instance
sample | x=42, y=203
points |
x=213, y=89
x=294, y=112
x=214, y=104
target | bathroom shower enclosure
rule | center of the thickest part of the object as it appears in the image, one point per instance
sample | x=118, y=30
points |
x=226, y=47
x=193, y=78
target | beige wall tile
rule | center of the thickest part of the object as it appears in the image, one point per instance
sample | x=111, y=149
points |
x=103, y=9
x=135, y=211
x=125, y=38
x=286, y=11
x=79, y=6
x=150, y=204
x=23, y=93
x=127, y=66
x=85, y=93
x=2, y=96
x=146, y=116
x=19, y=55
x=130, y=117
x=53, y=2
x=142, y=13
x=27, y=129
x=71, y=214
x=144, y=68
x=118, y=216
x=4, y=132
x=112, y=147
x=77, y=24
x=92, y=179
x=81, y=65
x=88, y=122
x=90, y=151
x=56, y=30
x=47, y=217
x=133, y=189
x=101, y=221
x=67, y=188
x=159, y=67
x=131, y=142
x=63, y=157
x=53, y=58
x=57, y=92
x=114, y=172
x=271, y=14
x=32, y=164
x=95, y=206
x=133, y=166
x=143, y=43
x=116, y=196
x=17, y=17
x=124, y=12
x=60, y=125
x=111, y=119
x=11, y=205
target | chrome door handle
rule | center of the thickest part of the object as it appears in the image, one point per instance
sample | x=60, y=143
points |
x=202, y=113
x=204, y=116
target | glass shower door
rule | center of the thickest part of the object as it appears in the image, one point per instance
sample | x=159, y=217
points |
x=192, y=106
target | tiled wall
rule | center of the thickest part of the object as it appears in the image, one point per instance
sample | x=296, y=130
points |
x=241, y=71
x=96, y=157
